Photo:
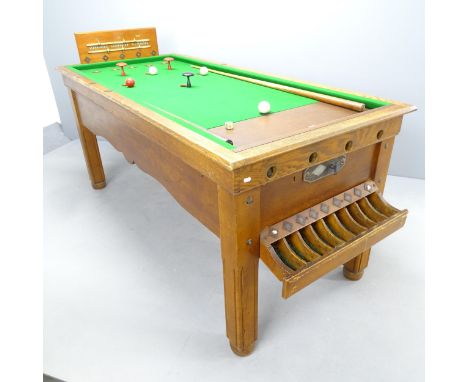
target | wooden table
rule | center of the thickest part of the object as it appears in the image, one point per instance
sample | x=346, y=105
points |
x=300, y=188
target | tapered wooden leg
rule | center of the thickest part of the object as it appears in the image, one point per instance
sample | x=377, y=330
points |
x=90, y=149
x=239, y=217
x=354, y=269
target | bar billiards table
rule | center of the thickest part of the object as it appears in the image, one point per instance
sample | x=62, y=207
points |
x=300, y=187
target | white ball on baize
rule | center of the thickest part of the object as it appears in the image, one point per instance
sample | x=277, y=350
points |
x=264, y=107
x=203, y=70
x=152, y=70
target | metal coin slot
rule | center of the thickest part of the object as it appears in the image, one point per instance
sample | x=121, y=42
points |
x=331, y=167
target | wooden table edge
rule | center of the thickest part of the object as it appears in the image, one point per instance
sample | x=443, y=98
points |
x=287, y=78
x=228, y=159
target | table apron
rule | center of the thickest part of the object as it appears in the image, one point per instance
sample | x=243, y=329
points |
x=192, y=190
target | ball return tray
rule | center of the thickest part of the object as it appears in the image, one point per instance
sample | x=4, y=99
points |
x=304, y=247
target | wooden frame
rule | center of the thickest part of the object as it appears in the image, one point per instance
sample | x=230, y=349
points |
x=247, y=192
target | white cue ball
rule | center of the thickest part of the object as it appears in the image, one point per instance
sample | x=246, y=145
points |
x=153, y=70
x=203, y=70
x=264, y=107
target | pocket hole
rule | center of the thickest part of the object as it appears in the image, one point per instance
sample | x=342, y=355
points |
x=348, y=145
x=313, y=157
x=271, y=172
x=380, y=134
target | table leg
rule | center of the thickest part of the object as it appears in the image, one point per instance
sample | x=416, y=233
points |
x=239, y=218
x=90, y=149
x=354, y=269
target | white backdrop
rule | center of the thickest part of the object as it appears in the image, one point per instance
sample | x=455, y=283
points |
x=375, y=47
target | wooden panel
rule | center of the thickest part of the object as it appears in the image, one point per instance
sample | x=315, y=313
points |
x=195, y=192
x=289, y=195
x=271, y=127
x=119, y=44
x=289, y=162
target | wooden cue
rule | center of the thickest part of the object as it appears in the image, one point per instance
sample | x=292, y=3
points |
x=356, y=106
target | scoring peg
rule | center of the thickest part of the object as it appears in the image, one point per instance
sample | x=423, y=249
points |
x=188, y=75
x=122, y=65
x=168, y=61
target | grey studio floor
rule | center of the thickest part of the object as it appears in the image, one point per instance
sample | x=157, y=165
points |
x=133, y=291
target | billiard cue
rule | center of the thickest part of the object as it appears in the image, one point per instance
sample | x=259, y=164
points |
x=352, y=105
